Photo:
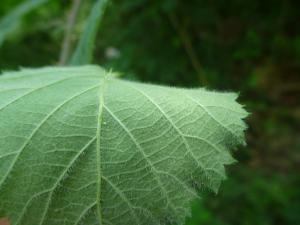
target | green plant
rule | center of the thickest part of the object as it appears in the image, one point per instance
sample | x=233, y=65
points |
x=80, y=146
x=11, y=22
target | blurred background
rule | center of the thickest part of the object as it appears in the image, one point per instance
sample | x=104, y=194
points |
x=247, y=46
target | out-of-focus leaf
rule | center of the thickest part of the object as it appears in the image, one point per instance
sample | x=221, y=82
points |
x=11, y=21
x=84, y=50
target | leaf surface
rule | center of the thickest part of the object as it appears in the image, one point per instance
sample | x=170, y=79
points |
x=78, y=146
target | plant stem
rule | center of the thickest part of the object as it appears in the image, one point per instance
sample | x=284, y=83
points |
x=66, y=46
x=83, y=53
x=187, y=43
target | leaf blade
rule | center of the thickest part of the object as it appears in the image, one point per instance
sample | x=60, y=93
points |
x=137, y=151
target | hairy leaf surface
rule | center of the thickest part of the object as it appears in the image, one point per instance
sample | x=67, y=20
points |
x=78, y=146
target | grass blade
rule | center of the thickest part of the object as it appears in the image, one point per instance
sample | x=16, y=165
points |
x=84, y=51
x=10, y=22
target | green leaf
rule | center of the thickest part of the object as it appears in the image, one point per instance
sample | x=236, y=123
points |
x=10, y=22
x=79, y=146
x=84, y=51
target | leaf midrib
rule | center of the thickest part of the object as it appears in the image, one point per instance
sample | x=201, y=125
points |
x=98, y=150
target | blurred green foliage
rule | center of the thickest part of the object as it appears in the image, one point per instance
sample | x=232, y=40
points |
x=250, y=46
x=12, y=20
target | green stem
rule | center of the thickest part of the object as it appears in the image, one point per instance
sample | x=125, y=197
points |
x=66, y=46
x=84, y=51
x=187, y=44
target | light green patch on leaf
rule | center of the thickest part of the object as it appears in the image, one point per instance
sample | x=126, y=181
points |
x=11, y=21
x=79, y=146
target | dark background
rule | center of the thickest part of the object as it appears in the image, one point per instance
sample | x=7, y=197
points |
x=246, y=46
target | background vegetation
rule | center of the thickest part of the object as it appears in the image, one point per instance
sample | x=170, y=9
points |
x=250, y=46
